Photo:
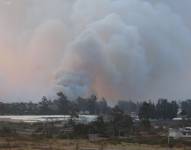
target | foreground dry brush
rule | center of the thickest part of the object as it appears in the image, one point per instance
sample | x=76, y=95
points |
x=27, y=143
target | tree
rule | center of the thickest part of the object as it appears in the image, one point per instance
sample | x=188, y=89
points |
x=147, y=111
x=82, y=104
x=62, y=103
x=74, y=110
x=92, y=104
x=125, y=125
x=99, y=126
x=186, y=107
x=166, y=110
x=121, y=122
x=44, y=106
x=145, y=124
x=174, y=109
x=102, y=107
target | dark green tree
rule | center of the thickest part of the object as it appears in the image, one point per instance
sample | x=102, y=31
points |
x=62, y=103
x=92, y=104
x=44, y=106
x=186, y=107
x=121, y=122
x=166, y=110
x=147, y=111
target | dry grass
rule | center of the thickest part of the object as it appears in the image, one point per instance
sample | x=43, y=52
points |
x=55, y=144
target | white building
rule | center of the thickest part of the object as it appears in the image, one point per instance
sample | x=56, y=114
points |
x=180, y=133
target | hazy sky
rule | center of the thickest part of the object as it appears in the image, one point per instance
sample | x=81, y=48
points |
x=119, y=49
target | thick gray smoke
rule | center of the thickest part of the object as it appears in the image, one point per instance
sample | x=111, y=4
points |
x=129, y=49
x=118, y=49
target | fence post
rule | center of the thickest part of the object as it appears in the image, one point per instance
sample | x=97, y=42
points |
x=77, y=146
x=101, y=147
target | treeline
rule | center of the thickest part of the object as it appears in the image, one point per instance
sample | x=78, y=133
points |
x=165, y=109
x=61, y=105
x=162, y=110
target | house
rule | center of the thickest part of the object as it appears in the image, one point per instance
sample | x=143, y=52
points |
x=180, y=133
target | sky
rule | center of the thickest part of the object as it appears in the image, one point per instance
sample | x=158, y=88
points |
x=117, y=49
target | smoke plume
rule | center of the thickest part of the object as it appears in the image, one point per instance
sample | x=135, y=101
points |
x=118, y=49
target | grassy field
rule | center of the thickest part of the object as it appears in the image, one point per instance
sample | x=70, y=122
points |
x=26, y=143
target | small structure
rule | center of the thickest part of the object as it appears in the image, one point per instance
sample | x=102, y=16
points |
x=180, y=133
x=134, y=116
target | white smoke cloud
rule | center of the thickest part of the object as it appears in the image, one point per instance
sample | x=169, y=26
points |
x=119, y=49
x=144, y=48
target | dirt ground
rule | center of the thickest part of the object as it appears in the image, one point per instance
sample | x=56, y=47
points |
x=55, y=144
